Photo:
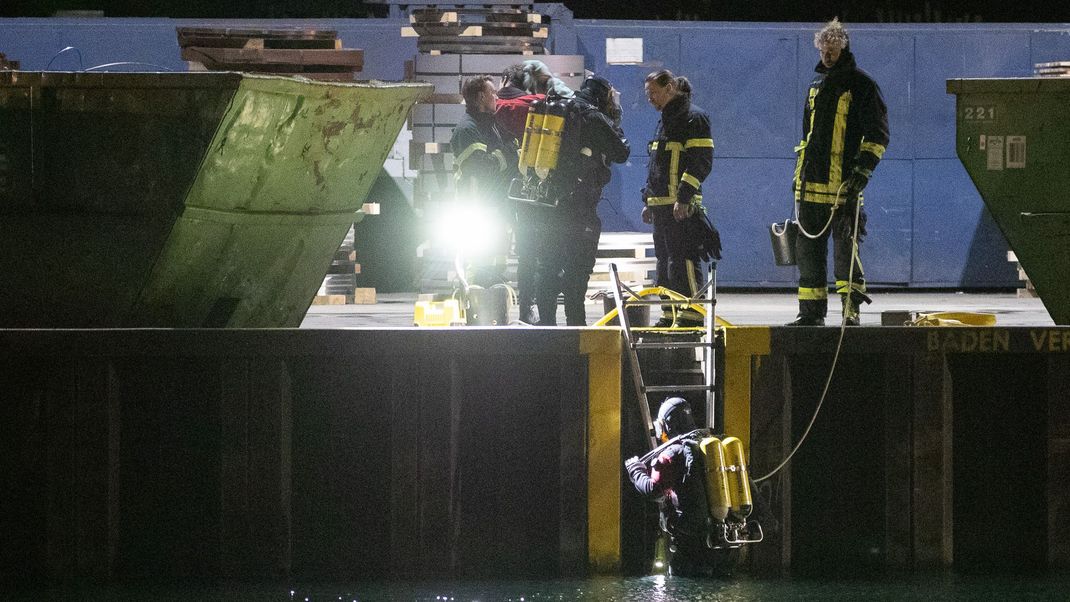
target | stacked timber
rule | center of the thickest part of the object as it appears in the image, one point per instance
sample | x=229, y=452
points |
x=477, y=29
x=1028, y=291
x=632, y=252
x=1053, y=69
x=8, y=65
x=340, y=285
x=315, y=54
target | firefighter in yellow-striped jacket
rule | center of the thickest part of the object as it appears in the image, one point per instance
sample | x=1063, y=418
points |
x=681, y=156
x=845, y=134
x=485, y=161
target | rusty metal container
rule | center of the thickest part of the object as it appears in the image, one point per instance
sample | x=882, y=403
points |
x=181, y=199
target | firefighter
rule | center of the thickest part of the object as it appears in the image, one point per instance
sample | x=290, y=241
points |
x=681, y=156
x=511, y=113
x=845, y=134
x=485, y=162
x=592, y=142
x=676, y=476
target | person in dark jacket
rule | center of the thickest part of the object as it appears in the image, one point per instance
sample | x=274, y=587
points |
x=681, y=156
x=484, y=162
x=511, y=113
x=676, y=476
x=591, y=143
x=845, y=134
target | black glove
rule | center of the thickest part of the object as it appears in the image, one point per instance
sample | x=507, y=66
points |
x=704, y=240
x=845, y=221
x=856, y=183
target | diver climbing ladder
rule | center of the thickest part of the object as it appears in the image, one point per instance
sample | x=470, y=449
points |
x=705, y=303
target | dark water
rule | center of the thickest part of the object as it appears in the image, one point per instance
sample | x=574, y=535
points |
x=927, y=589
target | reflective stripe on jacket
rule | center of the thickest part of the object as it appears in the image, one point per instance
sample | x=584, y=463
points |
x=484, y=161
x=681, y=155
x=845, y=125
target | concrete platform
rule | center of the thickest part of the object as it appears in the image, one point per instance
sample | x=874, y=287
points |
x=772, y=308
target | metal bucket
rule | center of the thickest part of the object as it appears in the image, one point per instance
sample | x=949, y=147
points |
x=488, y=306
x=783, y=238
x=638, y=315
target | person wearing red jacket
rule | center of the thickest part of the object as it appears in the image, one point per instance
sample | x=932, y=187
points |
x=511, y=114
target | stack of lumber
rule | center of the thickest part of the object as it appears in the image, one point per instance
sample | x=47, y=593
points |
x=1028, y=291
x=1054, y=69
x=340, y=285
x=477, y=29
x=633, y=252
x=311, y=53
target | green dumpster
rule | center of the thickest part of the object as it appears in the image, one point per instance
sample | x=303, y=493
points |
x=181, y=199
x=1014, y=139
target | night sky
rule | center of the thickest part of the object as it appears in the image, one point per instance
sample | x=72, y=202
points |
x=1019, y=11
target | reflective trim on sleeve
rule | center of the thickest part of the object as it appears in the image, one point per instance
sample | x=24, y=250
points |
x=475, y=146
x=698, y=143
x=873, y=147
x=690, y=179
x=669, y=200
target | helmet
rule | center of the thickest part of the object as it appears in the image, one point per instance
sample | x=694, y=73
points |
x=600, y=93
x=674, y=418
x=598, y=86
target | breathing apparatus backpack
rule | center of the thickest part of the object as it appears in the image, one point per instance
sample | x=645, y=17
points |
x=548, y=133
x=727, y=487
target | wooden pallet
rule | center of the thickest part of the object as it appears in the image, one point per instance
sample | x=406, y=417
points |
x=314, y=54
x=633, y=254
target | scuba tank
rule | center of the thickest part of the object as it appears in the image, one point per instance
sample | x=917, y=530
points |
x=553, y=129
x=717, y=493
x=529, y=147
x=738, y=479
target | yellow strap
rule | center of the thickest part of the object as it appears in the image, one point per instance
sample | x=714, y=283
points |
x=661, y=291
x=502, y=164
x=954, y=318
x=841, y=286
x=698, y=143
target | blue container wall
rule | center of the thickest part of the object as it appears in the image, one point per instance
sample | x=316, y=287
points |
x=928, y=226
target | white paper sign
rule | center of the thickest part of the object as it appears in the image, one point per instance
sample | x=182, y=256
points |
x=995, y=153
x=624, y=51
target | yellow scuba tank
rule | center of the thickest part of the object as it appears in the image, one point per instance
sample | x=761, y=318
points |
x=717, y=493
x=529, y=147
x=738, y=478
x=553, y=128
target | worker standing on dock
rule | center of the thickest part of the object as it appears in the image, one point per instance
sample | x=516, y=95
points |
x=681, y=156
x=511, y=112
x=485, y=162
x=592, y=142
x=845, y=134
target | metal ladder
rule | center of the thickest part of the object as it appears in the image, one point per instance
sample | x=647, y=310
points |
x=626, y=297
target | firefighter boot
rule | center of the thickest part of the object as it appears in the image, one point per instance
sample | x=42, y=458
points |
x=850, y=310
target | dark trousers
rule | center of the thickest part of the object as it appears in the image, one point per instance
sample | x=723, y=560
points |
x=672, y=247
x=812, y=258
x=566, y=260
x=527, y=233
